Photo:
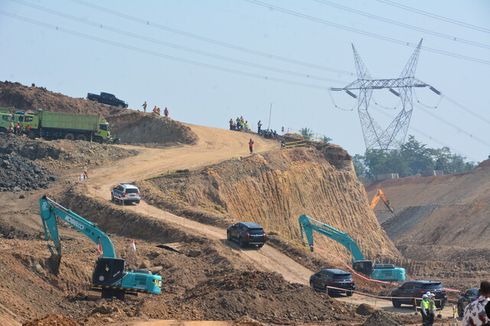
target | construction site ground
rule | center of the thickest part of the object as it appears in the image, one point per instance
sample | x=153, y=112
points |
x=207, y=280
x=28, y=252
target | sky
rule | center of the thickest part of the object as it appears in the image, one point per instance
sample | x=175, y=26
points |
x=208, y=61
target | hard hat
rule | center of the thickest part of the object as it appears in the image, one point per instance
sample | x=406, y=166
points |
x=428, y=293
x=425, y=296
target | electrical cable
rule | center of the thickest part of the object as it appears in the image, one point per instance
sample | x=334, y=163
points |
x=404, y=25
x=338, y=106
x=365, y=33
x=435, y=16
x=175, y=46
x=157, y=54
x=478, y=139
x=423, y=133
x=228, y=45
x=467, y=110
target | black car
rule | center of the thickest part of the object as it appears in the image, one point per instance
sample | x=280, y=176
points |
x=411, y=293
x=247, y=233
x=465, y=298
x=335, y=278
x=107, y=98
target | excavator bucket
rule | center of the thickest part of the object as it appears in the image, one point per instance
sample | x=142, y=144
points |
x=53, y=263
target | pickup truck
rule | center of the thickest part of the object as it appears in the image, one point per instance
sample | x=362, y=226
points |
x=107, y=98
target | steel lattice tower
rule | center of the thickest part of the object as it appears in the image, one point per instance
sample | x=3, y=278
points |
x=362, y=89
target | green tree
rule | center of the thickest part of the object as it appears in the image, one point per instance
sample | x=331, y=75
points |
x=307, y=133
x=326, y=139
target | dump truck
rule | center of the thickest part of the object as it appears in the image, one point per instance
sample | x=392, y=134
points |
x=58, y=125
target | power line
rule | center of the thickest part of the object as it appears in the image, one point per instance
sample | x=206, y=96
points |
x=436, y=16
x=365, y=33
x=466, y=109
x=422, y=133
x=456, y=127
x=211, y=40
x=404, y=25
x=175, y=46
x=157, y=54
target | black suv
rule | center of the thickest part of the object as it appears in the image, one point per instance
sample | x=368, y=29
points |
x=335, y=278
x=465, y=298
x=107, y=98
x=411, y=293
x=247, y=233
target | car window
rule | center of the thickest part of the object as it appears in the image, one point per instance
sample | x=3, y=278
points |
x=132, y=191
x=342, y=277
x=28, y=119
x=256, y=231
x=432, y=286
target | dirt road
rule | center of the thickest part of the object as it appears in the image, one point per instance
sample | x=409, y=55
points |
x=214, y=145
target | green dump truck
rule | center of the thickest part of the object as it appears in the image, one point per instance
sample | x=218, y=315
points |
x=57, y=125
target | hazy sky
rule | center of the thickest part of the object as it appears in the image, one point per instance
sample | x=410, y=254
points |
x=161, y=55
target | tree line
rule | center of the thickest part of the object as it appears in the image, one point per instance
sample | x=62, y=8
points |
x=412, y=158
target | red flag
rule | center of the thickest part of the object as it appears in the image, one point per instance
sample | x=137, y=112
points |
x=99, y=247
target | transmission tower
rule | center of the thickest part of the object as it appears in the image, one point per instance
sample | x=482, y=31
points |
x=362, y=89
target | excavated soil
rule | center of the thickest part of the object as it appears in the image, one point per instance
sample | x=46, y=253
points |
x=130, y=126
x=200, y=280
x=273, y=189
x=442, y=224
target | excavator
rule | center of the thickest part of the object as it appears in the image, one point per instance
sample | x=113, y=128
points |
x=109, y=275
x=382, y=272
x=381, y=195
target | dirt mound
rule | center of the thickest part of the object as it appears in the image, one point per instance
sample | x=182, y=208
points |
x=137, y=128
x=52, y=320
x=447, y=210
x=265, y=297
x=380, y=318
x=130, y=126
x=365, y=310
x=274, y=189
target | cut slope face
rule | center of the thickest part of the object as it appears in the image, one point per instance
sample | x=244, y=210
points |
x=446, y=210
x=273, y=189
x=130, y=126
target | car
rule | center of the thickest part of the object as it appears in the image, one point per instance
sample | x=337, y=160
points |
x=107, y=98
x=411, y=293
x=125, y=193
x=335, y=278
x=247, y=234
x=465, y=298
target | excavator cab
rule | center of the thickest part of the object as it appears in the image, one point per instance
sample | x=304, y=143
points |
x=107, y=271
x=363, y=266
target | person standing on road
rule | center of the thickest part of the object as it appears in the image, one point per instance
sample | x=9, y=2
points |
x=251, y=145
x=477, y=313
x=427, y=309
x=144, y=107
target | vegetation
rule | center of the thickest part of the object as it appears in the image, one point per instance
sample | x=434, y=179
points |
x=307, y=133
x=413, y=158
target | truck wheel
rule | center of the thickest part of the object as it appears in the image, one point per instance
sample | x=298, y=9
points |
x=112, y=198
x=396, y=303
x=349, y=293
x=81, y=137
x=70, y=136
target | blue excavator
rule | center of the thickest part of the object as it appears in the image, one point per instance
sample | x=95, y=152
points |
x=382, y=272
x=109, y=276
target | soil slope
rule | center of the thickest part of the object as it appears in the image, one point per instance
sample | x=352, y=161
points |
x=273, y=189
x=128, y=125
x=447, y=210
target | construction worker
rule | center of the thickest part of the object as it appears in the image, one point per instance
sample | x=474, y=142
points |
x=165, y=112
x=427, y=309
x=251, y=146
x=18, y=129
x=144, y=106
x=259, y=127
x=477, y=313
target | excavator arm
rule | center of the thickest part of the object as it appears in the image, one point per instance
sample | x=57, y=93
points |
x=50, y=212
x=309, y=225
x=381, y=195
